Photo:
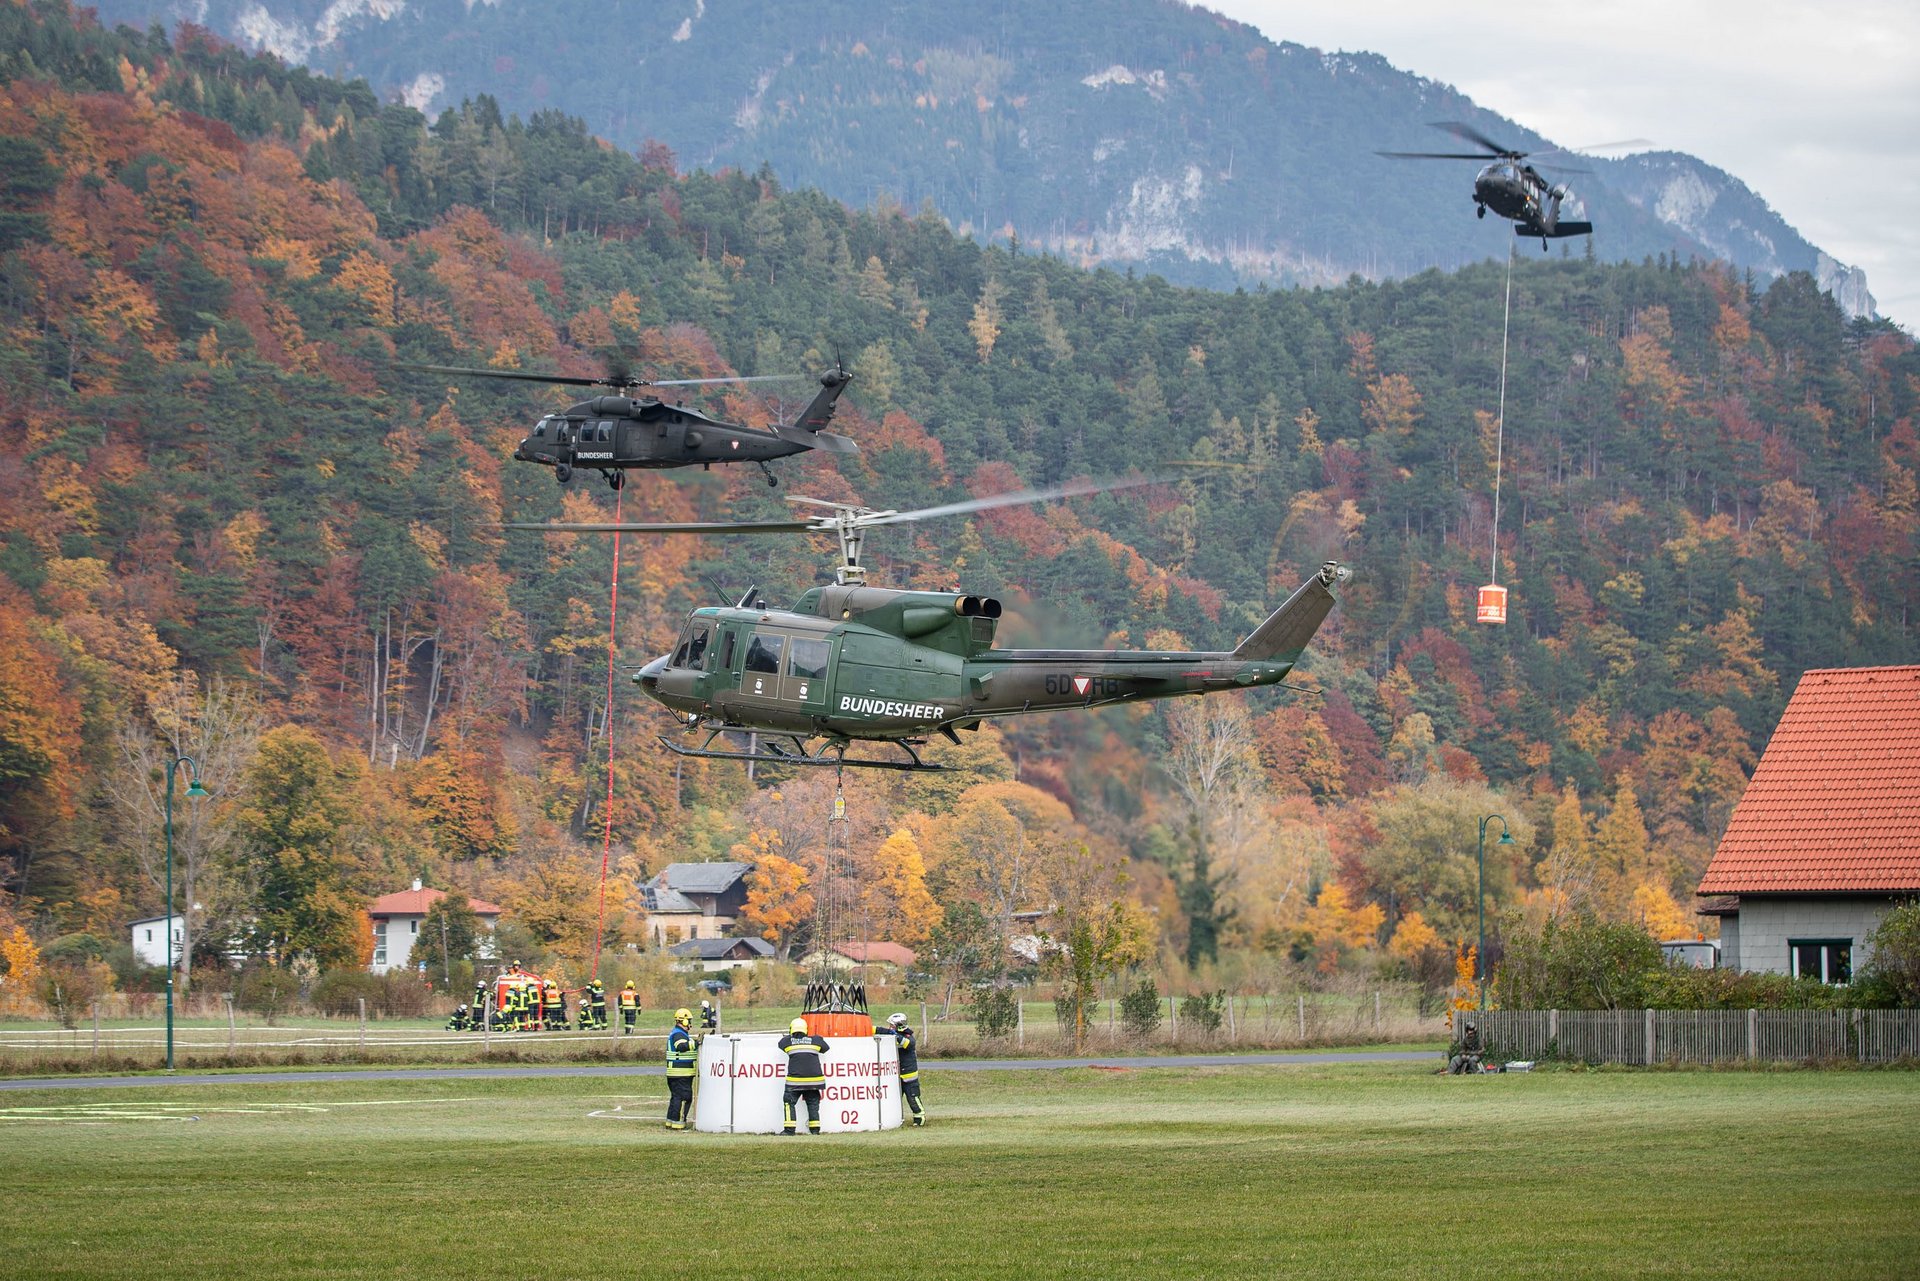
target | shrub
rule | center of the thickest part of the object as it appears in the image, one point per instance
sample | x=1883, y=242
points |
x=1682, y=987
x=266, y=990
x=1893, y=962
x=1140, y=1011
x=995, y=1012
x=75, y=947
x=1578, y=963
x=1206, y=1012
x=70, y=987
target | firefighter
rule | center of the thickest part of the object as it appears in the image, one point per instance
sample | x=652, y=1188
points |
x=517, y=997
x=629, y=1009
x=555, y=1013
x=682, y=1060
x=909, y=1045
x=597, y=997
x=479, y=1003
x=458, y=1023
x=805, y=1076
x=709, y=1016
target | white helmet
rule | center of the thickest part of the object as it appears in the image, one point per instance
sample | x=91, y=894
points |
x=896, y=1019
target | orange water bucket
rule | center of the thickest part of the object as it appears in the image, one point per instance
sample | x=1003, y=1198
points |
x=1493, y=604
x=831, y=1025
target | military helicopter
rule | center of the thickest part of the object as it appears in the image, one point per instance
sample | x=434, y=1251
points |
x=612, y=433
x=1511, y=187
x=854, y=663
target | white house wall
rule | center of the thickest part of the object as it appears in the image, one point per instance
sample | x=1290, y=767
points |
x=1765, y=925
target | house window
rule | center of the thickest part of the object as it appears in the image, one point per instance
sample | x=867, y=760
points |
x=413, y=927
x=1828, y=960
x=149, y=936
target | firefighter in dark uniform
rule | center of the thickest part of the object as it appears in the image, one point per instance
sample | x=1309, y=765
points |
x=682, y=1062
x=458, y=1023
x=479, y=1016
x=629, y=1009
x=909, y=1045
x=597, y=998
x=805, y=1075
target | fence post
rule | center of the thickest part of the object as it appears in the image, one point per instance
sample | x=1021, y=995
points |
x=613, y=1035
x=1860, y=1032
x=1301, y=999
x=923, y=1022
x=1376, y=1009
x=1553, y=1031
x=363, y=1025
x=1753, y=1035
x=1233, y=1033
x=1649, y=1038
x=1020, y=1018
x=96, y=1028
x=229, y=996
x=1173, y=1012
x=486, y=1024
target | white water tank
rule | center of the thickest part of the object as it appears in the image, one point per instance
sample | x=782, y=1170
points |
x=742, y=1075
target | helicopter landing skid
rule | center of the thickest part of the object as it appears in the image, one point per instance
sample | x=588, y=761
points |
x=772, y=755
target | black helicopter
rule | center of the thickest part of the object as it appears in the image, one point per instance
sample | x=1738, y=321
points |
x=1511, y=187
x=612, y=433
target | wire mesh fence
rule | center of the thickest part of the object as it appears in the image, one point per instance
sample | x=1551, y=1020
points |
x=1699, y=1036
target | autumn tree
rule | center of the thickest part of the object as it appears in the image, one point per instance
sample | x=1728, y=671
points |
x=894, y=899
x=218, y=727
x=779, y=902
x=293, y=831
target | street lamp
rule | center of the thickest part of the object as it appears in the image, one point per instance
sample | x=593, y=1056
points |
x=194, y=792
x=1480, y=956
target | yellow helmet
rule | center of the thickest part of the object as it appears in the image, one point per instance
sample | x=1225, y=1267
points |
x=683, y=1015
x=629, y=983
x=799, y=1027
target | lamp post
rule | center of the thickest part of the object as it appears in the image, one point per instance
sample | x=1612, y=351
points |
x=1480, y=955
x=194, y=792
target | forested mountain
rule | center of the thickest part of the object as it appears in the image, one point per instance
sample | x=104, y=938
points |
x=227, y=525
x=1145, y=132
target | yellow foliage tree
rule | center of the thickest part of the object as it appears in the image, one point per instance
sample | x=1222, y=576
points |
x=779, y=899
x=896, y=898
x=985, y=325
x=368, y=279
x=21, y=957
x=1659, y=914
x=1412, y=937
x=1336, y=926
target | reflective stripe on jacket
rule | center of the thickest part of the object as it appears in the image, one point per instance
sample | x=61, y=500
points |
x=803, y=1059
x=909, y=1052
x=681, y=1057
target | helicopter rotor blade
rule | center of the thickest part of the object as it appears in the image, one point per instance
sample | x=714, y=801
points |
x=665, y=527
x=1596, y=146
x=516, y=375
x=843, y=517
x=1459, y=130
x=704, y=382
x=1073, y=489
x=615, y=378
x=1482, y=157
x=1563, y=169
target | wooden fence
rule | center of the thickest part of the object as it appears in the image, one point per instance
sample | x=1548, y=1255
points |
x=1698, y=1036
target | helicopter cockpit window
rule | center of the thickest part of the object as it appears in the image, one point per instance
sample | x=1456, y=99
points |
x=763, y=653
x=697, y=645
x=808, y=658
x=606, y=432
x=540, y=428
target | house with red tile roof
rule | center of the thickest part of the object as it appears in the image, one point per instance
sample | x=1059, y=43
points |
x=1826, y=839
x=396, y=924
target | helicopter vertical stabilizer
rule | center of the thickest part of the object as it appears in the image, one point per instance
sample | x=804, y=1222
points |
x=819, y=411
x=1286, y=631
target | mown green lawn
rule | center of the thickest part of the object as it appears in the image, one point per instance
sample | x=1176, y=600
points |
x=1351, y=1170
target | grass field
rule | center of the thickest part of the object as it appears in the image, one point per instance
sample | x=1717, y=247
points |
x=1355, y=1171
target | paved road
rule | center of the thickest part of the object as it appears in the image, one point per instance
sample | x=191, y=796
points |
x=566, y=1070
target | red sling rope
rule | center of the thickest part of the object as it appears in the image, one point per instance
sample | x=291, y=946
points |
x=613, y=642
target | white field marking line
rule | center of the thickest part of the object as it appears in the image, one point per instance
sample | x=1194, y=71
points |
x=148, y=1110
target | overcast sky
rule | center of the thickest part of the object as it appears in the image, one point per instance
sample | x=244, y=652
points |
x=1814, y=106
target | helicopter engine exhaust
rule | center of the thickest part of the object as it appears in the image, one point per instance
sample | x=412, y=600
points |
x=976, y=607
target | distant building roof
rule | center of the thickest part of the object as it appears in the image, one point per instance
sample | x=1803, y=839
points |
x=876, y=953
x=416, y=901
x=743, y=949
x=700, y=878
x=1834, y=805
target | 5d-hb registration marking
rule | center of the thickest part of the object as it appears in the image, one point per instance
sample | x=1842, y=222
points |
x=1085, y=686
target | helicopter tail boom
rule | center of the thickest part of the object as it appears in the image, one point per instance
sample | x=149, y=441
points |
x=1558, y=230
x=825, y=441
x=1287, y=630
